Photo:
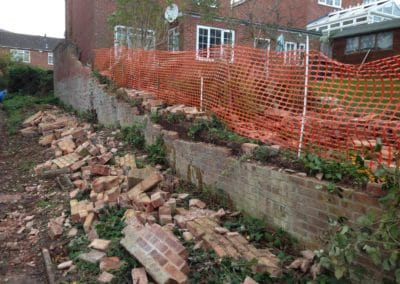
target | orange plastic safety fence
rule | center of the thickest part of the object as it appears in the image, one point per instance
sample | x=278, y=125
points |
x=345, y=109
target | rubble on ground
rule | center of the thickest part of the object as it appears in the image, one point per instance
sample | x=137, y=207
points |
x=88, y=165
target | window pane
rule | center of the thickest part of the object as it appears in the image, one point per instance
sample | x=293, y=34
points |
x=384, y=40
x=352, y=44
x=367, y=42
x=228, y=38
x=215, y=37
x=262, y=43
x=203, y=38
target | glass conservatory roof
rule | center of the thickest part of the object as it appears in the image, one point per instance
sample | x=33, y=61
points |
x=367, y=13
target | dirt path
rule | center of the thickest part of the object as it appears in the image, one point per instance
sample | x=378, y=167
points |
x=26, y=204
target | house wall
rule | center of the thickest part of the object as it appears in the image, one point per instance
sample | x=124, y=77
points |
x=339, y=48
x=38, y=58
x=244, y=35
x=87, y=27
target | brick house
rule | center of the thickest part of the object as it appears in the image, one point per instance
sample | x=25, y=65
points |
x=366, y=43
x=30, y=49
x=255, y=23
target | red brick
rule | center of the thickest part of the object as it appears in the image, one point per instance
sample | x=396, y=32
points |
x=177, y=275
x=160, y=246
x=103, y=159
x=158, y=257
x=139, y=276
x=110, y=263
x=100, y=170
x=177, y=260
x=104, y=183
x=157, y=200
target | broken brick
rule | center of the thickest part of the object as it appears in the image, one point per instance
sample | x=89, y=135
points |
x=100, y=244
x=67, y=146
x=164, y=215
x=197, y=203
x=100, y=170
x=157, y=200
x=104, y=183
x=139, y=276
x=145, y=185
x=110, y=263
x=104, y=158
x=87, y=225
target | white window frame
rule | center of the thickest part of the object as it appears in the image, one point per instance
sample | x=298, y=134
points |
x=208, y=54
x=50, y=58
x=21, y=55
x=298, y=49
x=174, y=34
x=263, y=39
x=325, y=3
x=236, y=2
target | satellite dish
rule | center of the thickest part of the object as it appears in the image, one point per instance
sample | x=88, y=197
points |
x=171, y=13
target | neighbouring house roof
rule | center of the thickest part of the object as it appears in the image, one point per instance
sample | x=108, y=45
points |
x=367, y=13
x=366, y=29
x=32, y=42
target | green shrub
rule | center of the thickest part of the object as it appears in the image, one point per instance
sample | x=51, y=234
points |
x=134, y=135
x=29, y=80
x=156, y=152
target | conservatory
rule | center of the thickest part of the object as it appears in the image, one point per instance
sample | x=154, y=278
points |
x=367, y=13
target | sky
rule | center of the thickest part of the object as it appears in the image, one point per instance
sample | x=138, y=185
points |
x=36, y=17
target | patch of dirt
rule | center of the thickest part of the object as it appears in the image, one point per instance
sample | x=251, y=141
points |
x=26, y=205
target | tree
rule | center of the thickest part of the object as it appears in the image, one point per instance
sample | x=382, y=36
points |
x=141, y=23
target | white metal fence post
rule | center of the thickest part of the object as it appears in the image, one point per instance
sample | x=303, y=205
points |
x=303, y=120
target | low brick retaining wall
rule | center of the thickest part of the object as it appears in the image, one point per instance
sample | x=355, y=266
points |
x=289, y=201
x=286, y=200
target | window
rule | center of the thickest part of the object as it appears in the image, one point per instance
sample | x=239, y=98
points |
x=50, y=58
x=21, y=55
x=134, y=38
x=332, y=3
x=384, y=40
x=367, y=42
x=352, y=44
x=291, y=55
x=209, y=3
x=210, y=42
x=236, y=2
x=262, y=43
x=173, y=39
x=378, y=41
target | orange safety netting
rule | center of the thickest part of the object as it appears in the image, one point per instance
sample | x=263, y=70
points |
x=261, y=94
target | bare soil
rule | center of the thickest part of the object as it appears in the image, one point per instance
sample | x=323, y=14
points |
x=26, y=205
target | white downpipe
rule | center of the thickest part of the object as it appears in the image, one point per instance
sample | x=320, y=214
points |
x=201, y=92
x=303, y=120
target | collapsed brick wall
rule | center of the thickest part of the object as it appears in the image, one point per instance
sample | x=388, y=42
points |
x=282, y=199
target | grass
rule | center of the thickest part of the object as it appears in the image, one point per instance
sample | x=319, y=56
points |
x=360, y=95
x=110, y=224
x=45, y=204
x=18, y=106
